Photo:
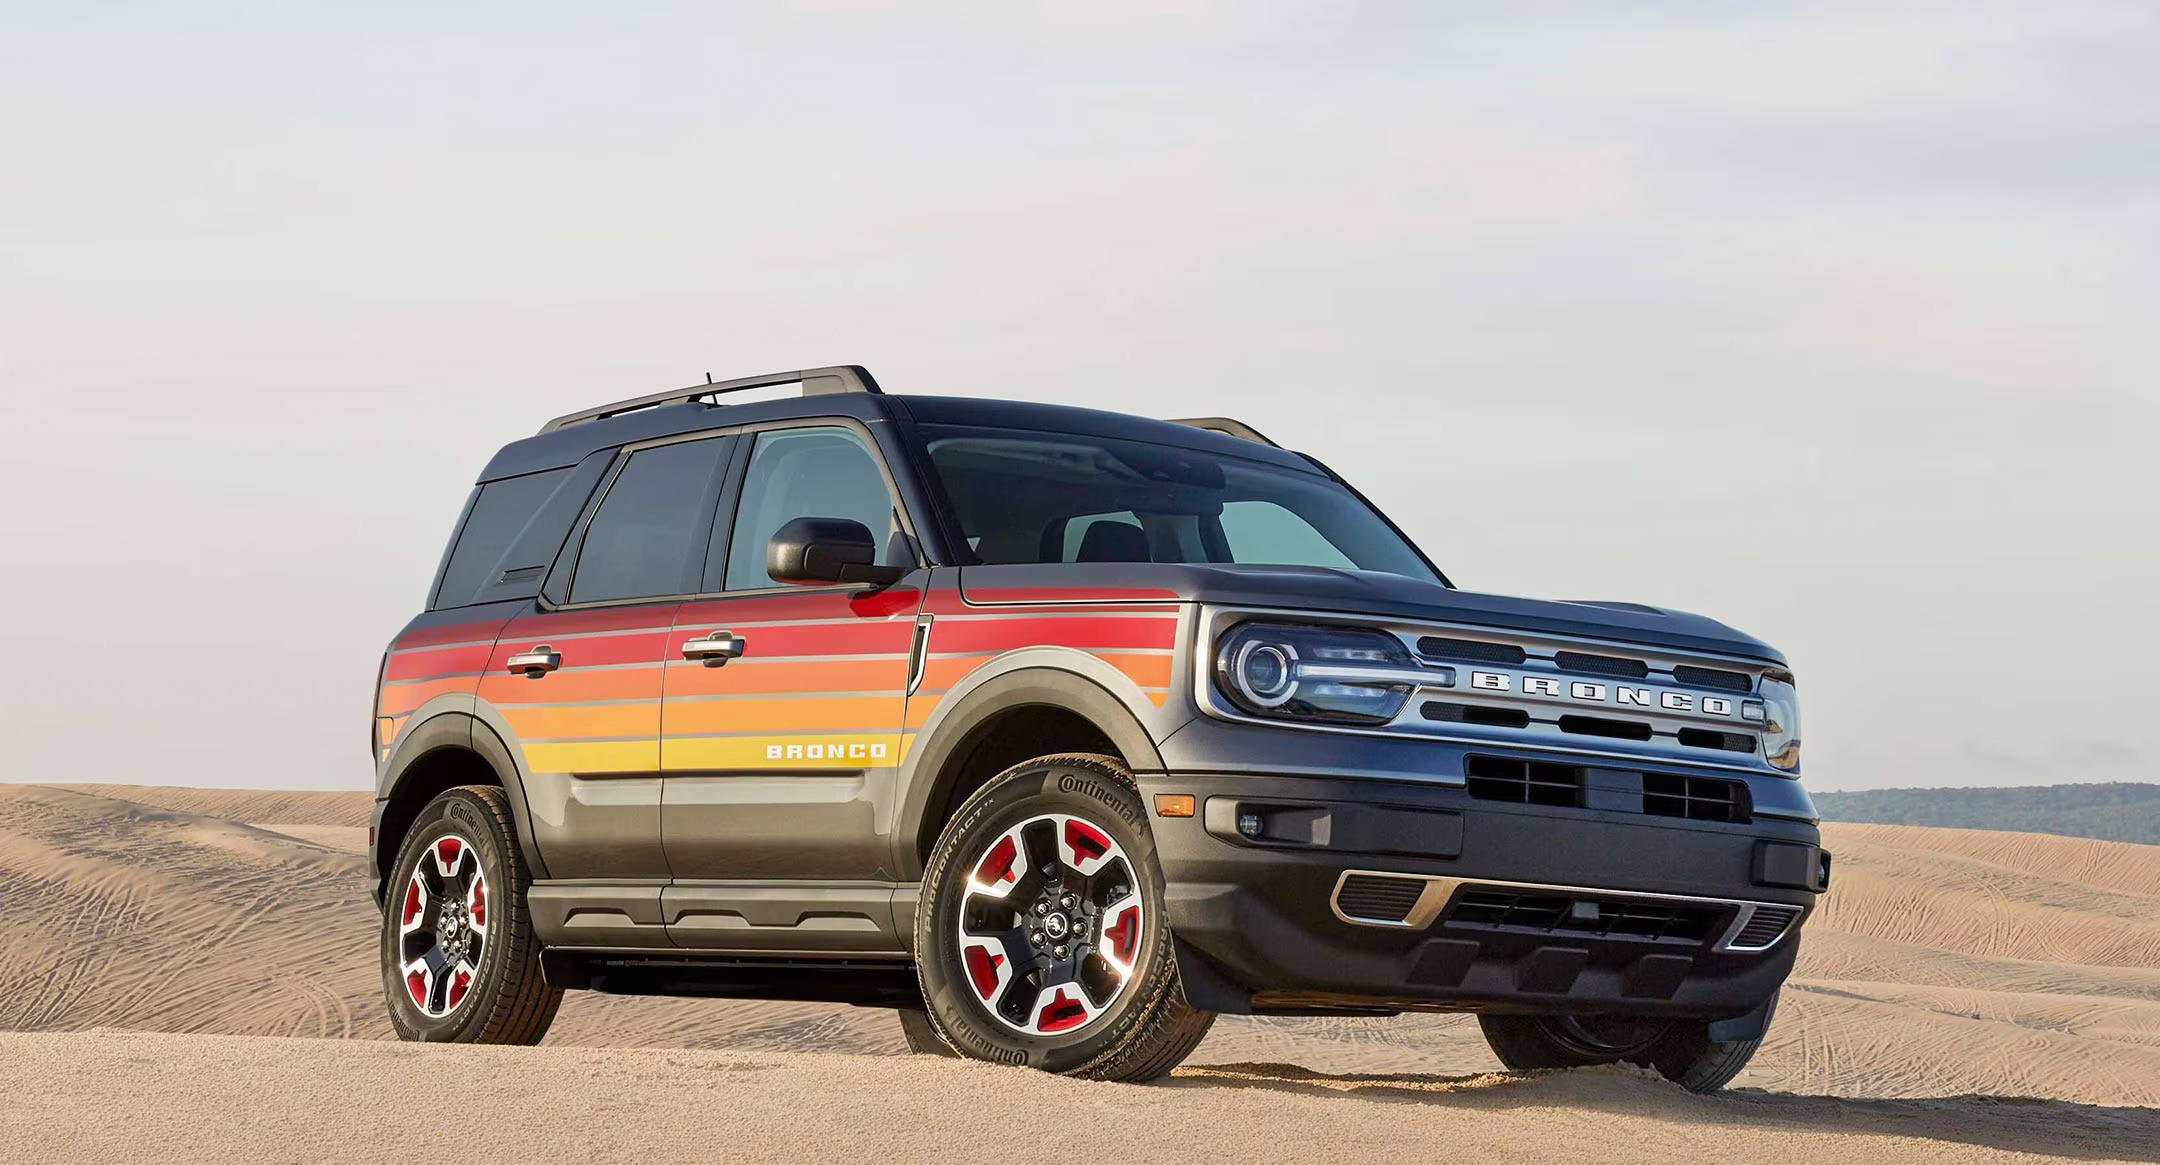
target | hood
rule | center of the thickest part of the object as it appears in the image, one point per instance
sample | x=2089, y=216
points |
x=1365, y=593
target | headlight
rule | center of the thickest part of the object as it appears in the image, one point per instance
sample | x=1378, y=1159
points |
x=1333, y=675
x=1781, y=720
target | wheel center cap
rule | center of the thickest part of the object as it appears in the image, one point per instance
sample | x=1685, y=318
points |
x=1056, y=925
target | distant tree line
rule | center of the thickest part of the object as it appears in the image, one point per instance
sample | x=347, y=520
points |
x=2111, y=812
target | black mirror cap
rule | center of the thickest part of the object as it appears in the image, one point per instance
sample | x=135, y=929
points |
x=826, y=550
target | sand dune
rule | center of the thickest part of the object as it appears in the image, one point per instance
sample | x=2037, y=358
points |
x=1945, y=964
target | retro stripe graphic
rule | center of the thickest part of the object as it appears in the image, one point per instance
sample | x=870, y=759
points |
x=820, y=687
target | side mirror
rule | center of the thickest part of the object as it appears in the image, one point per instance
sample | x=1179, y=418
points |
x=827, y=550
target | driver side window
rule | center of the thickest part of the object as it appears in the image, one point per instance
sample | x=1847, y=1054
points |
x=827, y=471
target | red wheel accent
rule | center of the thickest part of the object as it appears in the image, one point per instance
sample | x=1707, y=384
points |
x=416, y=986
x=997, y=865
x=413, y=902
x=1123, y=938
x=1062, y=1013
x=479, y=903
x=446, y=853
x=460, y=982
x=982, y=969
x=1085, y=841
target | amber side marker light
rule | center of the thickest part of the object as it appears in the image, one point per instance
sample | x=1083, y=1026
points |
x=1173, y=804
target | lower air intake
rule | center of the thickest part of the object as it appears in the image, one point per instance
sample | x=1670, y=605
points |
x=1764, y=928
x=1378, y=899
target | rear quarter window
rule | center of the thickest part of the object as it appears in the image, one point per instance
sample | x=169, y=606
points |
x=501, y=518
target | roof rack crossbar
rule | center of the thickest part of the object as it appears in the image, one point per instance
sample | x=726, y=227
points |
x=814, y=381
x=1228, y=427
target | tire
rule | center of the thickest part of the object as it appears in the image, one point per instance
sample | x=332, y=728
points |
x=1679, y=1050
x=1056, y=847
x=460, y=961
x=922, y=1035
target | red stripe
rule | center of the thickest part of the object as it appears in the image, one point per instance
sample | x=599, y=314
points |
x=477, y=632
x=641, y=617
x=420, y=665
x=991, y=635
x=866, y=638
x=816, y=605
x=644, y=647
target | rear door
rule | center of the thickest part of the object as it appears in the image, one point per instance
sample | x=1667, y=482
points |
x=775, y=758
x=578, y=678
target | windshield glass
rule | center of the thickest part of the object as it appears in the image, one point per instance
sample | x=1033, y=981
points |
x=1031, y=497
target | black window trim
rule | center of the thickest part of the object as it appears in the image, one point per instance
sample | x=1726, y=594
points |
x=554, y=593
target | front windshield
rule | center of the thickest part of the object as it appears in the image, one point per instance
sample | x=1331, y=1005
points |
x=1033, y=497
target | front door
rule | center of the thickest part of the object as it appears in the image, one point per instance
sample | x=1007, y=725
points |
x=777, y=744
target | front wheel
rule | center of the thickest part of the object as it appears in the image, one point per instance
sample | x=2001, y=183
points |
x=1680, y=1050
x=460, y=961
x=1041, y=940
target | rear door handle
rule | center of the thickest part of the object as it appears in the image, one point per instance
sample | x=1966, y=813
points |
x=715, y=649
x=535, y=663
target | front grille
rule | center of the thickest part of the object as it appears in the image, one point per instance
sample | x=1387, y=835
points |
x=1567, y=786
x=1710, y=738
x=1695, y=798
x=1601, y=665
x=1448, y=713
x=1764, y=928
x=1600, y=726
x=1562, y=914
x=1471, y=649
x=1710, y=677
x=1495, y=778
x=1378, y=899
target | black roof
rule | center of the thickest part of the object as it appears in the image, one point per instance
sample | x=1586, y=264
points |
x=572, y=443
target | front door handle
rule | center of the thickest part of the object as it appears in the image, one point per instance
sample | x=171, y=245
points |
x=715, y=649
x=535, y=663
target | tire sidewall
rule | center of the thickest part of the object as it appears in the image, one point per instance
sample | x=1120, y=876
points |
x=1092, y=788
x=463, y=813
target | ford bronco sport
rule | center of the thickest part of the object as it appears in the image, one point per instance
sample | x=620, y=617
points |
x=1059, y=732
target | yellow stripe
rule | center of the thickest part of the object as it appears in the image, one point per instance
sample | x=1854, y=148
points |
x=822, y=750
x=594, y=756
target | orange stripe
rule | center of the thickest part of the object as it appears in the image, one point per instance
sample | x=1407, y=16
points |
x=831, y=714
x=919, y=709
x=1148, y=671
x=762, y=679
x=641, y=720
x=572, y=684
x=399, y=699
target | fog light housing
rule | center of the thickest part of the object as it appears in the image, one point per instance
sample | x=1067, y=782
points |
x=1251, y=825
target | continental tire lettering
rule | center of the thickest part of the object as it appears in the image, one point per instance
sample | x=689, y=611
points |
x=1073, y=783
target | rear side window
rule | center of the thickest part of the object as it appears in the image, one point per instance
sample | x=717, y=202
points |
x=649, y=536
x=500, y=512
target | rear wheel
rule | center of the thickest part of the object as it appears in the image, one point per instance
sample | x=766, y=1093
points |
x=1041, y=940
x=460, y=961
x=1680, y=1050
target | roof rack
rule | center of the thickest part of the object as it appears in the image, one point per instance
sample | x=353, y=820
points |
x=1225, y=425
x=814, y=381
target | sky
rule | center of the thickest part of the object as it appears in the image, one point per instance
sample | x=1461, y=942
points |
x=1832, y=321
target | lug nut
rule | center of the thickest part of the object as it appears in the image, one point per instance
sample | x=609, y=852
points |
x=1067, y=900
x=1035, y=936
x=1042, y=908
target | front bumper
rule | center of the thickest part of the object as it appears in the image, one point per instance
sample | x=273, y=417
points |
x=1359, y=893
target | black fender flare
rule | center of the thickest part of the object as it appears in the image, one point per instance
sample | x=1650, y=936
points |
x=925, y=779
x=458, y=729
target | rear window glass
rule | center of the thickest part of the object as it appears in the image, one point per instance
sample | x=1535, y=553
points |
x=500, y=512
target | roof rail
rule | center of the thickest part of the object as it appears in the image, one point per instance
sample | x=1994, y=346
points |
x=814, y=381
x=1225, y=425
